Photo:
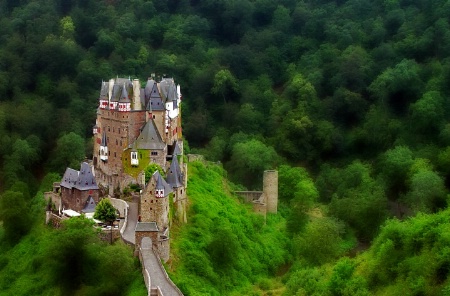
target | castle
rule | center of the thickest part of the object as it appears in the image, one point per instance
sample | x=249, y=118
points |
x=135, y=127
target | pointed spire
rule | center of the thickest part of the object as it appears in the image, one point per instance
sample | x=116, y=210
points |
x=162, y=189
x=176, y=150
x=124, y=92
x=174, y=175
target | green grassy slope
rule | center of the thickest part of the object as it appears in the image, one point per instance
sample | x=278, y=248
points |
x=225, y=248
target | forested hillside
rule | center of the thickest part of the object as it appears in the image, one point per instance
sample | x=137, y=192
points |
x=348, y=99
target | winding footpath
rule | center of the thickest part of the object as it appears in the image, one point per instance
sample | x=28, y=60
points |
x=151, y=262
x=158, y=275
x=128, y=234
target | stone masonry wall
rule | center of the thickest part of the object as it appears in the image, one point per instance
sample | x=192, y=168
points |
x=75, y=199
x=270, y=189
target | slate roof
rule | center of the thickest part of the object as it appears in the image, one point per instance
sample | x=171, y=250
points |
x=124, y=96
x=174, y=175
x=104, y=91
x=82, y=180
x=161, y=183
x=168, y=89
x=116, y=92
x=149, y=138
x=176, y=150
x=86, y=179
x=89, y=206
x=146, y=226
x=156, y=101
x=69, y=179
x=148, y=89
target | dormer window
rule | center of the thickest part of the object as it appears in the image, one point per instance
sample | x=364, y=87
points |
x=134, y=158
x=159, y=193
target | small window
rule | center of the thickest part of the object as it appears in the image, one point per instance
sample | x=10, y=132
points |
x=154, y=153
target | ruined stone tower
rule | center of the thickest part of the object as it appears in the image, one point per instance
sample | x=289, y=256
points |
x=270, y=190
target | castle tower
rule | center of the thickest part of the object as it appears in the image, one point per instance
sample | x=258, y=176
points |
x=270, y=190
x=155, y=202
x=175, y=178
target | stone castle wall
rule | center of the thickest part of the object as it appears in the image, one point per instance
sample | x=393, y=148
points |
x=75, y=199
x=259, y=207
x=163, y=247
x=265, y=201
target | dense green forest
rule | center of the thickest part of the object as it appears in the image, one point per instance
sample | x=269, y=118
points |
x=349, y=100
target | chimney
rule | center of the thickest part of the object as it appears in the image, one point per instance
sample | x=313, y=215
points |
x=111, y=85
x=136, y=95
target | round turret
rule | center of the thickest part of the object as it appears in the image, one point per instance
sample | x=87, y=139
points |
x=270, y=189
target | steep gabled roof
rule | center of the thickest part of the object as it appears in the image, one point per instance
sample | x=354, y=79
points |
x=149, y=138
x=104, y=91
x=161, y=183
x=148, y=89
x=89, y=206
x=168, y=89
x=82, y=180
x=124, y=96
x=69, y=179
x=174, y=175
x=116, y=92
x=156, y=101
x=86, y=179
x=177, y=149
